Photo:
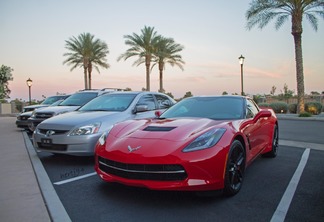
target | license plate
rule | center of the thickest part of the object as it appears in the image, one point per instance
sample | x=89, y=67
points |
x=46, y=141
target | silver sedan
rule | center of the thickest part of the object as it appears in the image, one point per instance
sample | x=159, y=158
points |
x=76, y=133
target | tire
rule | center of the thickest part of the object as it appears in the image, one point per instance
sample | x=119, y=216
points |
x=235, y=168
x=274, y=145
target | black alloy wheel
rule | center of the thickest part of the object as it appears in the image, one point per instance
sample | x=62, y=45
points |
x=234, y=169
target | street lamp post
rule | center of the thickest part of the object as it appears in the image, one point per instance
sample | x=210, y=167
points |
x=241, y=61
x=29, y=84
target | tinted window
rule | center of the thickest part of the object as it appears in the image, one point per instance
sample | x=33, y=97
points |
x=109, y=102
x=163, y=101
x=148, y=101
x=79, y=99
x=207, y=107
x=251, y=109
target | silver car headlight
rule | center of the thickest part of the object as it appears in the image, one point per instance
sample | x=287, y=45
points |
x=206, y=140
x=85, y=130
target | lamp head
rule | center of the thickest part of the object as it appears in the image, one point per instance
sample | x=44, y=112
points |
x=241, y=59
x=29, y=82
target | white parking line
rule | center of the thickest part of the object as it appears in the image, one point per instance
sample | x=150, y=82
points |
x=75, y=178
x=282, y=209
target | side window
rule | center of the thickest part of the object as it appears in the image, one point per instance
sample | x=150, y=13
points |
x=251, y=109
x=148, y=101
x=163, y=101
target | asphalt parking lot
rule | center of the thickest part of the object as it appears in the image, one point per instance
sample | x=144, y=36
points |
x=266, y=185
x=286, y=188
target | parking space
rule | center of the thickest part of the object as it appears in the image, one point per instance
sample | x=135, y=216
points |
x=84, y=195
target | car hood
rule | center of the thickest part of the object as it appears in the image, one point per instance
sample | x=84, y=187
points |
x=68, y=120
x=58, y=109
x=168, y=129
x=151, y=141
x=29, y=113
x=36, y=106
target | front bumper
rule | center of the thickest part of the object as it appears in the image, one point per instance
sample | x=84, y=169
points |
x=22, y=124
x=64, y=144
x=205, y=172
x=33, y=123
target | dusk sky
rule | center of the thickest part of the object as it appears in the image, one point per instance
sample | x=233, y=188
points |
x=213, y=33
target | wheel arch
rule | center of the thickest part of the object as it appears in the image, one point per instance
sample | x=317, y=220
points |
x=242, y=141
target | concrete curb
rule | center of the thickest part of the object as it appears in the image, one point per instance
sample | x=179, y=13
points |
x=296, y=117
x=53, y=203
x=300, y=144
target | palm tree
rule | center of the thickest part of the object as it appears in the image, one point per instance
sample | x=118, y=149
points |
x=85, y=51
x=142, y=46
x=98, y=57
x=167, y=52
x=261, y=12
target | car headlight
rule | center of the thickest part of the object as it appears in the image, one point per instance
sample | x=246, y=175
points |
x=206, y=140
x=33, y=114
x=85, y=130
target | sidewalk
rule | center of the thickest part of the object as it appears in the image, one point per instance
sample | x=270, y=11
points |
x=20, y=195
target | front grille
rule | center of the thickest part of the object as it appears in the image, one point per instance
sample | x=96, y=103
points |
x=54, y=147
x=56, y=132
x=156, y=172
x=43, y=115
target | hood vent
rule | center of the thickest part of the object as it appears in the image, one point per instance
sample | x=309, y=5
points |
x=158, y=129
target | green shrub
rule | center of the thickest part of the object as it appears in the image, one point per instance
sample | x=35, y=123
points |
x=305, y=114
x=279, y=107
x=292, y=108
x=261, y=105
x=314, y=108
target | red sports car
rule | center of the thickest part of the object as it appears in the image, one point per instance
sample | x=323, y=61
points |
x=201, y=143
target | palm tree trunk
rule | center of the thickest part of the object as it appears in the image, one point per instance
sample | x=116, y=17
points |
x=89, y=73
x=161, y=65
x=85, y=78
x=161, y=81
x=299, y=72
x=147, y=77
x=148, y=64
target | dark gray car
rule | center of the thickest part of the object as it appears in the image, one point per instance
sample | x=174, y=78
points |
x=22, y=118
x=77, y=132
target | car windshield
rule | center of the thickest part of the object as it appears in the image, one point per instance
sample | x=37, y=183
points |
x=109, y=102
x=57, y=102
x=78, y=99
x=52, y=99
x=207, y=107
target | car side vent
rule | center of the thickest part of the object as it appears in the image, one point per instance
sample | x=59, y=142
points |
x=158, y=129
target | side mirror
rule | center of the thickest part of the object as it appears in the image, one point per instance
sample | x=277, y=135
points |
x=141, y=108
x=263, y=114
